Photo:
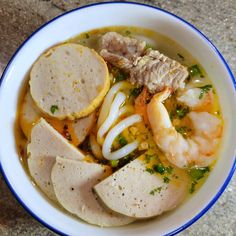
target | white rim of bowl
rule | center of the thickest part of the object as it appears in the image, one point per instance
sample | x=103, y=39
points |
x=231, y=173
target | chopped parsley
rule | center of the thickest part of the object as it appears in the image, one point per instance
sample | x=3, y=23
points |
x=195, y=175
x=159, y=168
x=181, y=111
x=180, y=56
x=150, y=171
x=122, y=140
x=195, y=71
x=54, y=108
x=166, y=180
x=204, y=89
x=155, y=190
x=114, y=163
x=135, y=92
x=198, y=173
x=120, y=76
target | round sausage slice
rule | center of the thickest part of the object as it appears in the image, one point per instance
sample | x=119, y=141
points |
x=45, y=144
x=73, y=182
x=69, y=81
x=136, y=192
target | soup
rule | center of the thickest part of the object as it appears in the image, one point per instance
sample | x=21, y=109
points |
x=122, y=117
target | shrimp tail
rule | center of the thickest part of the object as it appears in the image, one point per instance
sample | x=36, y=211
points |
x=163, y=95
x=157, y=113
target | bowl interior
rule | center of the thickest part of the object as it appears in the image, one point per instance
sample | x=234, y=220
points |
x=98, y=16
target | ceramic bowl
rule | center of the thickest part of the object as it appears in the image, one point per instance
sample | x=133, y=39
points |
x=96, y=16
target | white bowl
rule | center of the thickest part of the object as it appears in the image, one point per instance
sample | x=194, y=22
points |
x=95, y=16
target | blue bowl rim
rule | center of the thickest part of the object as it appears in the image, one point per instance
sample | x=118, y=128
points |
x=231, y=173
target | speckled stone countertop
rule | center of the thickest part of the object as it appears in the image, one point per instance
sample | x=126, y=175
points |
x=217, y=19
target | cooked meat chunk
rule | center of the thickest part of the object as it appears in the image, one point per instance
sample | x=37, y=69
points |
x=146, y=67
x=157, y=71
x=121, y=51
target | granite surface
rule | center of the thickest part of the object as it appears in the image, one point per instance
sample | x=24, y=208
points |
x=215, y=18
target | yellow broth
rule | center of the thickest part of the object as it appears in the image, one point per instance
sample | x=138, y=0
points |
x=148, y=150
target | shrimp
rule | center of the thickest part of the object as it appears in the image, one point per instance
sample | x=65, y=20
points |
x=140, y=104
x=199, y=149
x=196, y=100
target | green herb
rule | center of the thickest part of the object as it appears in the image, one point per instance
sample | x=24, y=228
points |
x=195, y=71
x=195, y=175
x=180, y=56
x=181, y=111
x=135, y=91
x=159, y=168
x=198, y=173
x=204, y=89
x=183, y=130
x=149, y=170
x=218, y=113
x=53, y=108
x=166, y=180
x=120, y=76
x=127, y=32
x=122, y=140
x=155, y=190
x=87, y=35
x=193, y=185
x=114, y=163
x=169, y=169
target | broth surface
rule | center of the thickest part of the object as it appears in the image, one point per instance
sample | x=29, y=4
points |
x=153, y=155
